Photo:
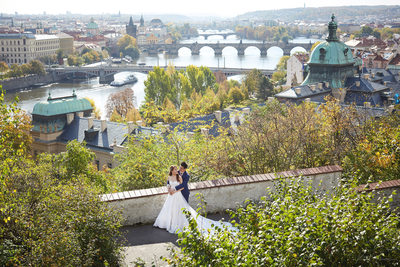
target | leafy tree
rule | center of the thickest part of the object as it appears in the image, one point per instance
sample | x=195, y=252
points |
x=236, y=95
x=366, y=31
x=37, y=67
x=50, y=212
x=266, y=89
x=3, y=66
x=131, y=51
x=126, y=41
x=282, y=64
x=133, y=115
x=376, y=156
x=253, y=80
x=96, y=110
x=157, y=86
x=296, y=226
x=120, y=102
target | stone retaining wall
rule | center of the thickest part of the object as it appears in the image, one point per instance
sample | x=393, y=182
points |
x=143, y=206
x=28, y=81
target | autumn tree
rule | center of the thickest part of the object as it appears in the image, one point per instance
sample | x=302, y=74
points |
x=128, y=47
x=120, y=102
x=3, y=66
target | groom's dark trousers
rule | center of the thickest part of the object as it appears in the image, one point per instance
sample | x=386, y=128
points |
x=184, y=185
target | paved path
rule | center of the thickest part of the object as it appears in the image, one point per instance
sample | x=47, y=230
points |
x=149, y=243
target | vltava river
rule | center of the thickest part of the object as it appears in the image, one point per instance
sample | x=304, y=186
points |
x=99, y=93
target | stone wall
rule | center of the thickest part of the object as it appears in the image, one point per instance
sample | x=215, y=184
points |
x=28, y=81
x=143, y=206
x=384, y=189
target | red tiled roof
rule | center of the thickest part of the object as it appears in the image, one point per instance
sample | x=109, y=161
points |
x=395, y=60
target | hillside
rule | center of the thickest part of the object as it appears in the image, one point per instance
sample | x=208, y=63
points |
x=345, y=13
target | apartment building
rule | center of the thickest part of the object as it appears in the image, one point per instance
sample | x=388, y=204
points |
x=21, y=48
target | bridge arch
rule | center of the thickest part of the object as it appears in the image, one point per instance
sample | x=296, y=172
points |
x=185, y=50
x=252, y=50
x=228, y=48
x=206, y=49
x=297, y=49
x=275, y=48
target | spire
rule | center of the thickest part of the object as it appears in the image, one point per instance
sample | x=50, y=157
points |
x=49, y=98
x=131, y=21
x=73, y=93
x=141, y=21
x=332, y=27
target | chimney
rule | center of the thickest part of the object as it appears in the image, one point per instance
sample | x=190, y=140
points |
x=312, y=87
x=103, y=126
x=70, y=118
x=131, y=127
x=358, y=83
x=320, y=86
x=218, y=116
x=139, y=123
x=246, y=111
x=297, y=90
x=79, y=114
x=271, y=98
x=372, y=75
x=366, y=76
x=90, y=122
x=204, y=131
x=327, y=84
x=385, y=83
x=367, y=104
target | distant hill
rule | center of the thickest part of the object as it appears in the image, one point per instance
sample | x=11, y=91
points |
x=343, y=13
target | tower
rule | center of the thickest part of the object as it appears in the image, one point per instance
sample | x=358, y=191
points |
x=131, y=29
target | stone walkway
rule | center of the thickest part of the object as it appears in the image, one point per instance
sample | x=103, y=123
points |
x=146, y=244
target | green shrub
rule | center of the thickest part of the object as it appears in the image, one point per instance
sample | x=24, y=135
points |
x=297, y=227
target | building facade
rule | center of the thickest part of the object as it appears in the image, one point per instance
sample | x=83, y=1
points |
x=21, y=48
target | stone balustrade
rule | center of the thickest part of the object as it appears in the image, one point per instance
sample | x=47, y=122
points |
x=143, y=206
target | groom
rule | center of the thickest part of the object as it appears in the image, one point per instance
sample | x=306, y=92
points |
x=185, y=179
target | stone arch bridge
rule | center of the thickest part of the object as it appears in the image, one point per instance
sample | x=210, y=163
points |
x=172, y=49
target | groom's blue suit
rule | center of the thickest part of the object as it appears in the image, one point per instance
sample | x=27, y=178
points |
x=184, y=185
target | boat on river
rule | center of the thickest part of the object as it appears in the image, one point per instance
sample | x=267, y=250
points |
x=130, y=79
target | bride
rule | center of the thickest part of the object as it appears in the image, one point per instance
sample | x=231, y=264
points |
x=171, y=216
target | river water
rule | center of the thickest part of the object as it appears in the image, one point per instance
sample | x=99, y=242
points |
x=99, y=93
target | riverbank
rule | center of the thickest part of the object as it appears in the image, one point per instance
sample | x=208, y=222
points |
x=31, y=81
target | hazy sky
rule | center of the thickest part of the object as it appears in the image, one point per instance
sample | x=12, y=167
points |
x=222, y=8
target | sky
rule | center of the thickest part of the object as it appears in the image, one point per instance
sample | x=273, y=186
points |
x=220, y=8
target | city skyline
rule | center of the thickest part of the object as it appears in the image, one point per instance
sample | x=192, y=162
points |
x=221, y=8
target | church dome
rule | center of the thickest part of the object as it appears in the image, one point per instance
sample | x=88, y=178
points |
x=332, y=51
x=61, y=105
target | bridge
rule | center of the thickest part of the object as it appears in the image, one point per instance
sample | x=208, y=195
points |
x=225, y=34
x=173, y=49
x=106, y=73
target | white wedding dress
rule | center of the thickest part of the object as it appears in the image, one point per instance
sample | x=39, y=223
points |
x=172, y=218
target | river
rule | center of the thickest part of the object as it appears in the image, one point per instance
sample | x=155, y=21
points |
x=99, y=92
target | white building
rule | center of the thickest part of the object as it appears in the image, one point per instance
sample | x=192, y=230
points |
x=21, y=48
x=295, y=68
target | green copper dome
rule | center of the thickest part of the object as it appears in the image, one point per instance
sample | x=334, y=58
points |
x=92, y=25
x=332, y=51
x=61, y=105
x=331, y=61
